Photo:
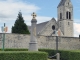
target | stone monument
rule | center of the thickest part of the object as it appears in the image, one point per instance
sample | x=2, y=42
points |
x=33, y=46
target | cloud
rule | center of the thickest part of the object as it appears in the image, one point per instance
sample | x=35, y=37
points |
x=76, y=29
x=10, y=8
x=40, y=19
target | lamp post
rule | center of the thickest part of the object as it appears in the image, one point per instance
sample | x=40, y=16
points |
x=4, y=29
x=56, y=42
x=55, y=32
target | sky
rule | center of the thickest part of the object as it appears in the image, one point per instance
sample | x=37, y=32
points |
x=45, y=10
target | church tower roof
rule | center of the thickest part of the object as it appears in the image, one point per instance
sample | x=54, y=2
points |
x=62, y=2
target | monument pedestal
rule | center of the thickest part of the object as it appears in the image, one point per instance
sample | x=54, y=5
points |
x=33, y=46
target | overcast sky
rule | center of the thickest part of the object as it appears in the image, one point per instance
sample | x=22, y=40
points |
x=45, y=10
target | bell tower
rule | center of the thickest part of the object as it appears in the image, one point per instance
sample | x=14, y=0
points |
x=65, y=17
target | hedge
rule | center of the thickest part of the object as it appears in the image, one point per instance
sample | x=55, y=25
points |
x=74, y=56
x=64, y=54
x=14, y=49
x=50, y=52
x=22, y=55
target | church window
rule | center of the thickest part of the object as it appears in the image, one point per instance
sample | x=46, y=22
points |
x=53, y=27
x=69, y=15
x=60, y=15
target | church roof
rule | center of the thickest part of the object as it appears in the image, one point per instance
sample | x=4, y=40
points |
x=39, y=26
x=62, y=2
x=47, y=29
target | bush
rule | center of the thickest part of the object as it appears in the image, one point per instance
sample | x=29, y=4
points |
x=64, y=54
x=50, y=52
x=22, y=55
x=74, y=56
x=15, y=49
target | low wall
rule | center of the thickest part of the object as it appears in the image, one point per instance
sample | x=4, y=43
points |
x=68, y=43
x=22, y=41
x=15, y=41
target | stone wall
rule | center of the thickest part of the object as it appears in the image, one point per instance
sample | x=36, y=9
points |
x=22, y=41
x=68, y=43
x=16, y=41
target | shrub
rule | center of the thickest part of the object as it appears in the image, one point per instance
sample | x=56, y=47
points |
x=50, y=52
x=22, y=55
x=15, y=49
x=64, y=55
x=74, y=56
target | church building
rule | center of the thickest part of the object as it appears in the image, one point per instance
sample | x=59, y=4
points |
x=63, y=25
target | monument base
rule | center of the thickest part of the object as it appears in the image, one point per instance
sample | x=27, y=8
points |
x=33, y=46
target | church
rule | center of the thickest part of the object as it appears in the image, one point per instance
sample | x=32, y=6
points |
x=46, y=36
x=63, y=25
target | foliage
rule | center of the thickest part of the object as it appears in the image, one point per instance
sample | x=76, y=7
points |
x=20, y=27
x=22, y=55
x=14, y=49
x=74, y=56
x=64, y=54
x=50, y=52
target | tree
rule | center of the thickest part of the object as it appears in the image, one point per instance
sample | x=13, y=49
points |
x=20, y=27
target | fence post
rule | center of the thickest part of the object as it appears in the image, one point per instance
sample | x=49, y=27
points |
x=58, y=56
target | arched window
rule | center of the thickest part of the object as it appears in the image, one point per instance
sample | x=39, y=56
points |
x=60, y=15
x=53, y=27
x=67, y=15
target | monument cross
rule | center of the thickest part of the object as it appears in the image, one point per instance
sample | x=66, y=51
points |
x=33, y=41
x=34, y=15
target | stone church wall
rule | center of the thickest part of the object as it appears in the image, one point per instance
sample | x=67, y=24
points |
x=49, y=42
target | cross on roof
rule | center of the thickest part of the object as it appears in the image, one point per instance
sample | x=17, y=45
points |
x=34, y=15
